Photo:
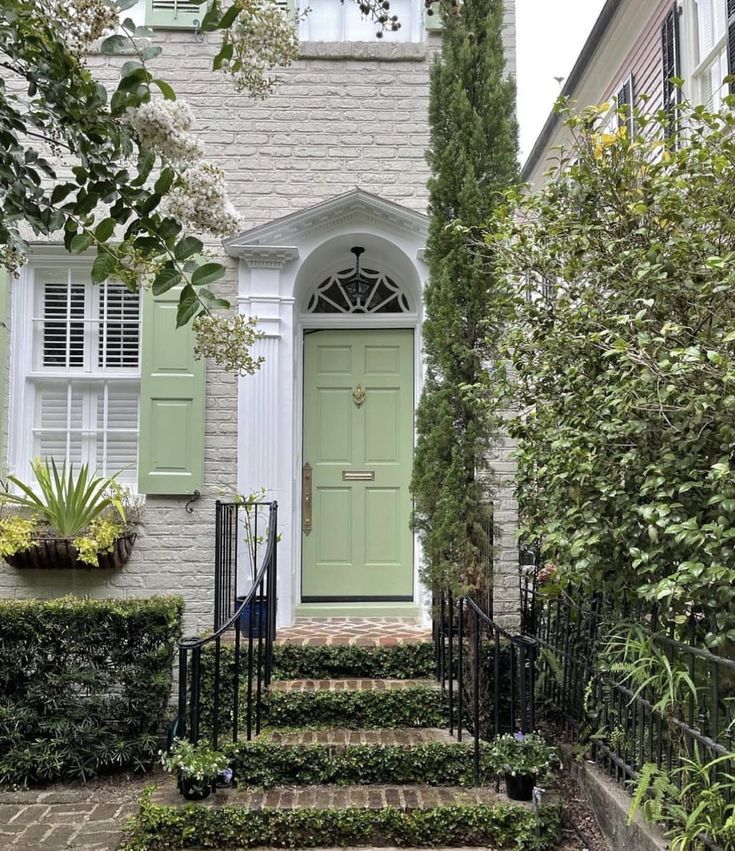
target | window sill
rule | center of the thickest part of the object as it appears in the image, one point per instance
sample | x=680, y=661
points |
x=396, y=51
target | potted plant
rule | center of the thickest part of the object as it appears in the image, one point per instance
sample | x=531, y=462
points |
x=523, y=758
x=252, y=510
x=198, y=768
x=69, y=520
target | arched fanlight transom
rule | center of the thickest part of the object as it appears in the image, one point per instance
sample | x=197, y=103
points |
x=358, y=290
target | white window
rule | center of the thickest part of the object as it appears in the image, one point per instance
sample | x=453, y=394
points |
x=711, y=44
x=76, y=372
x=331, y=20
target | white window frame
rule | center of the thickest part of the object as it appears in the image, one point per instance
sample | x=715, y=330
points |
x=414, y=27
x=24, y=374
x=703, y=64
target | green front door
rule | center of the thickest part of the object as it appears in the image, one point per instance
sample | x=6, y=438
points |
x=358, y=445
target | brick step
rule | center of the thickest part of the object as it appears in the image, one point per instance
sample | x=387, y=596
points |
x=378, y=816
x=371, y=797
x=351, y=685
x=343, y=737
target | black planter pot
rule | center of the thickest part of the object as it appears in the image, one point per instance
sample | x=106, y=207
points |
x=519, y=787
x=259, y=611
x=195, y=790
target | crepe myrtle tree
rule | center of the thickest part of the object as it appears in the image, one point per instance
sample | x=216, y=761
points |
x=121, y=172
x=624, y=356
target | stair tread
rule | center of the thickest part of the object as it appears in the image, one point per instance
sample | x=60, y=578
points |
x=346, y=737
x=374, y=797
x=351, y=684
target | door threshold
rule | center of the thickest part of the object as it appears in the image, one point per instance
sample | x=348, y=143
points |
x=357, y=610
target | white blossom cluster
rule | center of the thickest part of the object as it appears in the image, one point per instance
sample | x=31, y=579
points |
x=263, y=37
x=164, y=128
x=199, y=200
x=229, y=341
x=81, y=21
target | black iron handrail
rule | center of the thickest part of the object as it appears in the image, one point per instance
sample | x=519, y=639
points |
x=219, y=710
x=492, y=670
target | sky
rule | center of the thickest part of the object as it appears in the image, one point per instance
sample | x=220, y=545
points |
x=551, y=34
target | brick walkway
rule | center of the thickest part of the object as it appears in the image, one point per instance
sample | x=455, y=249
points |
x=364, y=632
x=84, y=819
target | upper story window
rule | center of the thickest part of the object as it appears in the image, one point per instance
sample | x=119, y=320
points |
x=332, y=20
x=77, y=382
x=711, y=65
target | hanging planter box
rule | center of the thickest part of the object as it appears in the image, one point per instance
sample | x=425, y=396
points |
x=60, y=554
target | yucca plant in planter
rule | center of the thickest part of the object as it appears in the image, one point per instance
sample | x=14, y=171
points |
x=70, y=520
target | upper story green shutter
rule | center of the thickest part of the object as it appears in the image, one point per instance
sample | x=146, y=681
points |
x=178, y=14
x=4, y=341
x=171, y=453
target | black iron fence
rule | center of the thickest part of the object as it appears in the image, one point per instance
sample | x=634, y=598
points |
x=487, y=674
x=641, y=693
x=223, y=676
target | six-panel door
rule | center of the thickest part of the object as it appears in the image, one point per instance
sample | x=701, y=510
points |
x=358, y=416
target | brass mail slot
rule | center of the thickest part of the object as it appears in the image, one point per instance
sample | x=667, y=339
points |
x=358, y=475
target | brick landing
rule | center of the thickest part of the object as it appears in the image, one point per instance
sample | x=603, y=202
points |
x=363, y=632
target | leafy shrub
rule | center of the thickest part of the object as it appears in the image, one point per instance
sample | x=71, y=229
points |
x=84, y=685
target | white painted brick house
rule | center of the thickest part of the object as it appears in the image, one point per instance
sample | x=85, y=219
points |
x=333, y=160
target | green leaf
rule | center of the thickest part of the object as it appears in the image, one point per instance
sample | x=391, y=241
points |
x=165, y=280
x=151, y=51
x=61, y=191
x=228, y=19
x=80, y=242
x=188, y=246
x=115, y=44
x=165, y=179
x=207, y=273
x=211, y=301
x=102, y=268
x=166, y=89
x=104, y=230
x=124, y=5
x=188, y=306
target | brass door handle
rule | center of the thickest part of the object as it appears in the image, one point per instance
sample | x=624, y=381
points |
x=306, y=500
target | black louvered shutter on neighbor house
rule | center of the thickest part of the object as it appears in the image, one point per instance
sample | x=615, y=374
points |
x=670, y=61
x=626, y=97
x=731, y=41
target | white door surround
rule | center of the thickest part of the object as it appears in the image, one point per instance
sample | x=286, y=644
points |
x=280, y=265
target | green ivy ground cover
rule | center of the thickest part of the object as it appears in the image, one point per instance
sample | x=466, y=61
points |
x=402, y=662
x=266, y=764
x=502, y=826
x=417, y=706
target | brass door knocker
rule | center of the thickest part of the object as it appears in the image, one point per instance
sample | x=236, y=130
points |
x=358, y=395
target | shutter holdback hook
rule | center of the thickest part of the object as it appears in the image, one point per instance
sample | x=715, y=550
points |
x=189, y=507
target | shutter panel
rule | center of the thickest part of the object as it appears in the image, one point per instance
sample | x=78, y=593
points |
x=670, y=63
x=433, y=22
x=626, y=97
x=171, y=454
x=175, y=14
x=4, y=303
x=288, y=6
x=731, y=41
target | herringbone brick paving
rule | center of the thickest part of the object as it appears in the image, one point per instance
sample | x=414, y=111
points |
x=362, y=632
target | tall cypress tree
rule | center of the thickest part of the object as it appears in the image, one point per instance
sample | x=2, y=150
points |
x=473, y=156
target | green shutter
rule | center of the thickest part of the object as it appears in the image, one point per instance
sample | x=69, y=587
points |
x=4, y=302
x=433, y=23
x=175, y=14
x=171, y=454
x=288, y=6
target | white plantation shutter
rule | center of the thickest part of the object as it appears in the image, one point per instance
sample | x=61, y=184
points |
x=175, y=14
x=84, y=381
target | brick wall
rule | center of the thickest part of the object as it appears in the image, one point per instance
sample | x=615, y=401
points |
x=343, y=116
